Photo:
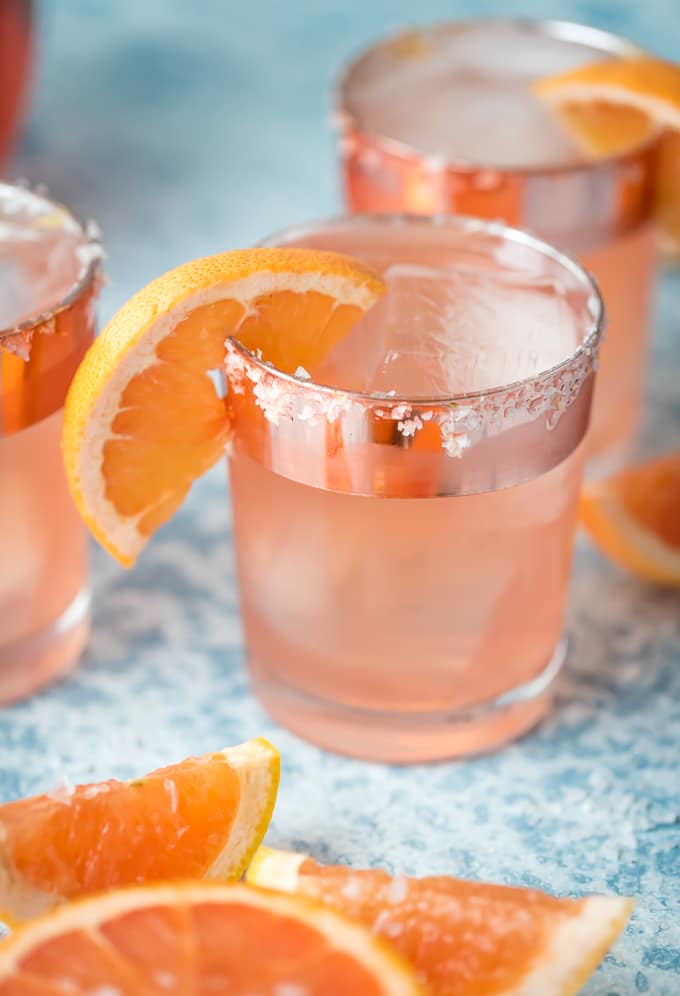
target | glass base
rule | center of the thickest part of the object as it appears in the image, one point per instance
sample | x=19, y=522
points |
x=409, y=737
x=48, y=654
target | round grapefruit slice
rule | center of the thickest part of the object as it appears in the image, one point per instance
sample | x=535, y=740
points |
x=463, y=938
x=634, y=518
x=143, y=418
x=202, y=818
x=199, y=939
x=613, y=105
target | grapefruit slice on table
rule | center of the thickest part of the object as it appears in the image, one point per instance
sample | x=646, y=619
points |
x=463, y=938
x=143, y=418
x=634, y=518
x=612, y=106
x=204, y=817
x=199, y=939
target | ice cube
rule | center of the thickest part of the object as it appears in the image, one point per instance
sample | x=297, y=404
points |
x=457, y=329
x=467, y=97
x=354, y=363
x=42, y=255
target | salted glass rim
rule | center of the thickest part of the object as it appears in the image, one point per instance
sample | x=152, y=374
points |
x=91, y=239
x=608, y=42
x=461, y=224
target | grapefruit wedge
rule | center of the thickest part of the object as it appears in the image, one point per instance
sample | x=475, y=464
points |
x=143, y=419
x=202, y=818
x=614, y=105
x=463, y=938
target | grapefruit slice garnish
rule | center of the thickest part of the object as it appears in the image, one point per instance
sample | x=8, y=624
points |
x=202, y=818
x=143, y=418
x=463, y=938
x=199, y=939
x=634, y=518
x=614, y=105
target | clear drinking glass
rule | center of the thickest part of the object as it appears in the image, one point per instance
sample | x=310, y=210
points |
x=443, y=120
x=403, y=536
x=49, y=282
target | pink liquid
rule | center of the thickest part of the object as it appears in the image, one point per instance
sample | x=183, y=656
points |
x=410, y=626
x=403, y=606
x=43, y=572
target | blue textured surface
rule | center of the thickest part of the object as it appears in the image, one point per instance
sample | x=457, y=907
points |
x=185, y=132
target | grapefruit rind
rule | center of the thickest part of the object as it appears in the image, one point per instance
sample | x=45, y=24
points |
x=274, y=869
x=258, y=766
x=576, y=948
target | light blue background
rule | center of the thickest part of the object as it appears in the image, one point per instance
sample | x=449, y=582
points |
x=186, y=131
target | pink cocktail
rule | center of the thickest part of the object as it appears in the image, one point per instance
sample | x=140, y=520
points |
x=49, y=268
x=444, y=119
x=404, y=515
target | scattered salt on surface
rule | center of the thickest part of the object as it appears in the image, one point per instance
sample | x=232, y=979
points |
x=63, y=790
x=93, y=790
x=171, y=789
x=385, y=925
x=351, y=889
x=430, y=932
x=302, y=374
x=659, y=816
x=166, y=980
x=397, y=890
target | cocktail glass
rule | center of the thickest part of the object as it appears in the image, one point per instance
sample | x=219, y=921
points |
x=49, y=281
x=404, y=514
x=443, y=119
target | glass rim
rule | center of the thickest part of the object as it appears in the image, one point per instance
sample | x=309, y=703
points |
x=91, y=269
x=608, y=42
x=461, y=223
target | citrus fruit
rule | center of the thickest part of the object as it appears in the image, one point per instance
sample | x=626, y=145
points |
x=463, y=938
x=203, y=817
x=199, y=938
x=611, y=106
x=634, y=517
x=143, y=418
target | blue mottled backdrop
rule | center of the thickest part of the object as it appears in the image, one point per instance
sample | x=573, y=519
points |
x=190, y=128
